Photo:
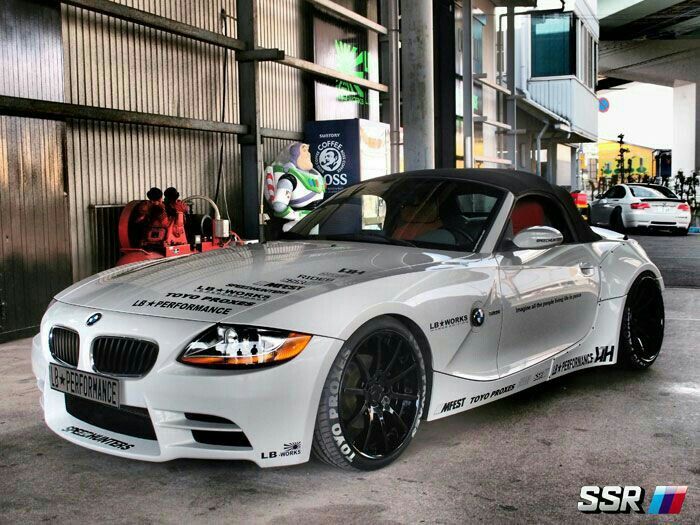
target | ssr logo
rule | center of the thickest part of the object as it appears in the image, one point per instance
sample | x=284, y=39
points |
x=613, y=499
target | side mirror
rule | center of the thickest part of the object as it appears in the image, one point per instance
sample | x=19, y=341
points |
x=538, y=238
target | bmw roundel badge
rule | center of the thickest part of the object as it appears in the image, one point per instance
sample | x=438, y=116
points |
x=477, y=317
x=93, y=319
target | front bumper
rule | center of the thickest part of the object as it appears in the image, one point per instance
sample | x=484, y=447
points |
x=274, y=407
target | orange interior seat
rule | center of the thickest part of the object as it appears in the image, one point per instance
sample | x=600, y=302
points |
x=526, y=214
x=418, y=220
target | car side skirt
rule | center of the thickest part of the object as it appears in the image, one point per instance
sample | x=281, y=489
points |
x=452, y=394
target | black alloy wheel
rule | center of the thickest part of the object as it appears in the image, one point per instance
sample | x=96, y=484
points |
x=643, y=318
x=373, y=398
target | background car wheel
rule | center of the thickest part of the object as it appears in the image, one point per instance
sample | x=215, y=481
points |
x=373, y=398
x=616, y=223
x=642, y=331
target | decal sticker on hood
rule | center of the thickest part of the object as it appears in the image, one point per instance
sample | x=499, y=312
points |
x=224, y=283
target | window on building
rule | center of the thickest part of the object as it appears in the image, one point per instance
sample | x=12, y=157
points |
x=587, y=56
x=553, y=45
x=478, y=23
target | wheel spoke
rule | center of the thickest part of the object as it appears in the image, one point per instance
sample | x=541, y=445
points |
x=402, y=374
x=354, y=391
x=377, y=361
x=384, y=434
x=393, y=358
x=398, y=418
x=369, y=431
x=362, y=367
x=357, y=416
x=406, y=397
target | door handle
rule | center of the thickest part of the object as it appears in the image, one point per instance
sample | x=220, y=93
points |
x=587, y=269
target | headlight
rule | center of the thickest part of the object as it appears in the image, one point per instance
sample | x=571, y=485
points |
x=225, y=346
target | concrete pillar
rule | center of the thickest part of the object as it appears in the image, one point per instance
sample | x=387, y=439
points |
x=417, y=84
x=685, y=153
x=551, y=174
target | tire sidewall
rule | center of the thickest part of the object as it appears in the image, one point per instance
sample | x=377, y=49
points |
x=629, y=358
x=329, y=404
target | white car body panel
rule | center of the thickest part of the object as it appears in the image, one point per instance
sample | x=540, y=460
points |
x=548, y=312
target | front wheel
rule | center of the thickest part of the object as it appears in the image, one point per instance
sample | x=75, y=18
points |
x=373, y=398
x=642, y=331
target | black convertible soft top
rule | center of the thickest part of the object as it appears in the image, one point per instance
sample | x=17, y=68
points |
x=516, y=182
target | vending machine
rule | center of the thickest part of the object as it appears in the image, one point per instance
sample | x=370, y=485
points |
x=348, y=151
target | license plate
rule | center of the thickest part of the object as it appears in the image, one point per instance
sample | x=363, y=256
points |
x=94, y=387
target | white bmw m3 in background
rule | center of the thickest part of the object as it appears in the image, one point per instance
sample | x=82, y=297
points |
x=407, y=297
x=650, y=206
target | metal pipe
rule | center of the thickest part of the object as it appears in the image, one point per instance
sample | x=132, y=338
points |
x=538, y=145
x=217, y=215
x=511, y=107
x=467, y=84
x=394, y=86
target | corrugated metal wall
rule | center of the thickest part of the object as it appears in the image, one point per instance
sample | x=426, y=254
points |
x=34, y=255
x=281, y=24
x=284, y=92
x=116, y=64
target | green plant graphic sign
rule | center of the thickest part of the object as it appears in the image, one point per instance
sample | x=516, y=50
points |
x=351, y=61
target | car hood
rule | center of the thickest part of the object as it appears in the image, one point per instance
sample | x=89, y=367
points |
x=220, y=285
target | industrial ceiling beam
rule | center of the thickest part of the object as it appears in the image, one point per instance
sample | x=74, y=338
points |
x=144, y=18
x=46, y=109
x=322, y=71
x=343, y=13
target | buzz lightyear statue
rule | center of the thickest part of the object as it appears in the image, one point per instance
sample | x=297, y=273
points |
x=292, y=186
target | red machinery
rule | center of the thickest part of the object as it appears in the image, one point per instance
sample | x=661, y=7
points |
x=181, y=234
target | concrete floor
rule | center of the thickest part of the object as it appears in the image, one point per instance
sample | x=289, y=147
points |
x=677, y=257
x=519, y=460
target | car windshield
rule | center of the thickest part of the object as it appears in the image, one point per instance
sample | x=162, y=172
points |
x=427, y=213
x=652, y=192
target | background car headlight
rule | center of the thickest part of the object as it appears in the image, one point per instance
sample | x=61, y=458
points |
x=226, y=346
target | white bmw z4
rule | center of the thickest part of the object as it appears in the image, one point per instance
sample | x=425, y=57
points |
x=407, y=297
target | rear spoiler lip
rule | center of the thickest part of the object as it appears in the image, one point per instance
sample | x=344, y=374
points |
x=662, y=200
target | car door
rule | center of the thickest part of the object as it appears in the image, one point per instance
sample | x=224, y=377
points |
x=549, y=296
x=602, y=209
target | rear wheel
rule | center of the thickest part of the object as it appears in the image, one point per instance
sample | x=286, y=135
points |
x=373, y=398
x=616, y=223
x=642, y=331
x=681, y=231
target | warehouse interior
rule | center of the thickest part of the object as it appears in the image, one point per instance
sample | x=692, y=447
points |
x=101, y=100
